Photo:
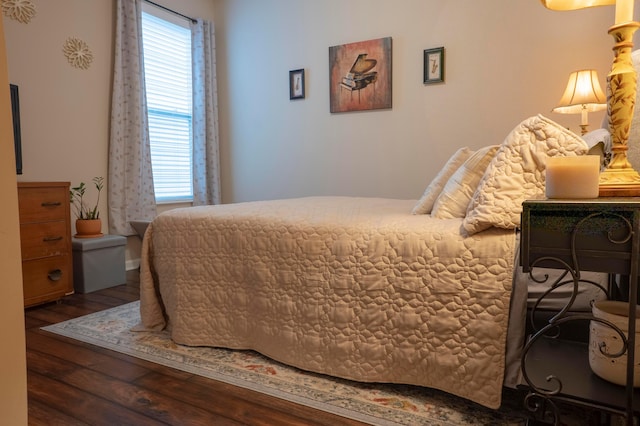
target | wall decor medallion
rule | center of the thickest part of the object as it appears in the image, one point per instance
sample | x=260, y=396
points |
x=434, y=65
x=77, y=53
x=18, y=10
x=360, y=75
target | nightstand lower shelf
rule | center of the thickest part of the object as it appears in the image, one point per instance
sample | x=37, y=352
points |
x=569, y=362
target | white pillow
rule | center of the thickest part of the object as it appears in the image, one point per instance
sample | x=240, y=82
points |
x=456, y=195
x=599, y=142
x=425, y=204
x=598, y=135
x=517, y=173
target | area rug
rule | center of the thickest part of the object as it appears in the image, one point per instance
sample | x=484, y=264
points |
x=376, y=404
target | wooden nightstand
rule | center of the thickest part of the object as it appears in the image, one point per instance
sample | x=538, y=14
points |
x=598, y=235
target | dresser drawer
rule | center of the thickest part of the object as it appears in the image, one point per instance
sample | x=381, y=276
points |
x=44, y=239
x=38, y=204
x=46, y=279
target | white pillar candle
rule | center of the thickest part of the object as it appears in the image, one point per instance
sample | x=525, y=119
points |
x=573, y=177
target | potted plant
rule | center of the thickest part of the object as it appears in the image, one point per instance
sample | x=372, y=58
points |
x=88, y=222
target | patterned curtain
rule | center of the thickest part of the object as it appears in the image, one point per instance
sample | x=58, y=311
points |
x=130, y=183
x=206, y=162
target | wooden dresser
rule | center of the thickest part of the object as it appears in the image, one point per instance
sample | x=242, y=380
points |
x=45, y=235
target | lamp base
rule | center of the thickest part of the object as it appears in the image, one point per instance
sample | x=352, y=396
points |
x=619, y=183
x=620, y=179
x=619, y=191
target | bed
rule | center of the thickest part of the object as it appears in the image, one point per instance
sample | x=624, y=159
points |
x=423, y=292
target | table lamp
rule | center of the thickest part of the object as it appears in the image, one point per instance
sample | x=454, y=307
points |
x=619, y=179
x=582, y=95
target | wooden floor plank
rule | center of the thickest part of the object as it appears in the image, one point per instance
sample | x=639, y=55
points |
x=33, y=322
x=107, y=300
x=81, y=405
x=48, y=347
x=144, y=401
x=45, y=316
x=44, y=415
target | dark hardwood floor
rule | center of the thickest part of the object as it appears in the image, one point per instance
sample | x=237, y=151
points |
x=75, y=383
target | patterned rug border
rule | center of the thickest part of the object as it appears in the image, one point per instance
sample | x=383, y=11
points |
x=380, y=416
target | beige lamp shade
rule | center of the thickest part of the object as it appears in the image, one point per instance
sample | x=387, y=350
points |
x=583, y=92
x=582, y=96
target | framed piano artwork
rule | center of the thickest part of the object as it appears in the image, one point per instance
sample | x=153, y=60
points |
x=296, y=84
x=360, y=75
x=434, y=65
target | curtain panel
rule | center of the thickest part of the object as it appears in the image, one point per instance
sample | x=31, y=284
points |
x=206, y=162
x=130, y=184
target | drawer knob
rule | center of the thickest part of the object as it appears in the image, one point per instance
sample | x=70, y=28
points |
x=55, y=275
x=51, y=239
x=51, y=204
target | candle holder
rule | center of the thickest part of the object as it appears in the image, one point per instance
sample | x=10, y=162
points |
x=620, y=179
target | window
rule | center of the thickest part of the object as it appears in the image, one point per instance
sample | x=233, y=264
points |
x=167, y=68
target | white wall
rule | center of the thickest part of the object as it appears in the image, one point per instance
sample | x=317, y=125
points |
x=64, y=110
x=505, y=61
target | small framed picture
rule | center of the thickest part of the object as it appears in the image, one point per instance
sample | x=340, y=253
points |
x=296, y=84
x=434, y=65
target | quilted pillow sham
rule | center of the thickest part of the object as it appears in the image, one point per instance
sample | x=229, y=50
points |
x=517, y=173
x=456, y=195
x=425, y=204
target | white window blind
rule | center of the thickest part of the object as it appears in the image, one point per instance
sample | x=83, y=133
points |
x=167, y=68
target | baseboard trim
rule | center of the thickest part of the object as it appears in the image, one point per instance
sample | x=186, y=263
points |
x=132, y=264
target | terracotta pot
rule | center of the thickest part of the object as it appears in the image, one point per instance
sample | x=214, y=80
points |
x=88, y=228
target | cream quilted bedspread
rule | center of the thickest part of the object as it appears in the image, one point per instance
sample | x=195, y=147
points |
x=357, y=288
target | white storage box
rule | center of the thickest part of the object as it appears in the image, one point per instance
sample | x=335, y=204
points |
x=98, y=263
